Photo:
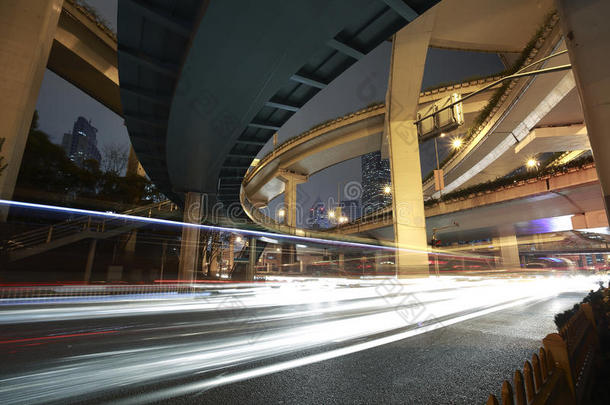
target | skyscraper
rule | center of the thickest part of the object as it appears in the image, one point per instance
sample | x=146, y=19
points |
x=349, y=208
x=376, y=176
x=318, y=217
x=81, y=144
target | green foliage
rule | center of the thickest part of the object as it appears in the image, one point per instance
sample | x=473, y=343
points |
x=510, y=180
x=464, y=80
x=48, y=175
x=500, y=91
x=562, y=318
x=595, y=298
x=95, y=16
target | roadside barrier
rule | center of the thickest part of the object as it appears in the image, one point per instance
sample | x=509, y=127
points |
x=561, y=373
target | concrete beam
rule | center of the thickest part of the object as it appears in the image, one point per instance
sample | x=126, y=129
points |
x=86, y=56
x=400, y=7
x=345, y=49
x=554, y=139
x=282, y=106
x=520, y=190
x=590, y=220
x=263, y=125
x=308, y=81
x=497, y=26
x=163, y=18
x=161, y=99
x=149, y=61
x=251, y=142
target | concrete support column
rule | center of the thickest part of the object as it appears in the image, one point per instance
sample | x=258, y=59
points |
x=341, y=261
x=409, y=49
x=288, y=256
x=252, y=265
x=380, y=256
x=130, y=244
x=129, y=252
x=509, y=251
x=90, y=260
x=163, y=256
x=291, y=180
x=231, y=255
x=215, y=255
x=189, y=248
x=27, y=29
x=586, y=30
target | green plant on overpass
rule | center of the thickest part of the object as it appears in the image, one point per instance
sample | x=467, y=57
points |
x=495, y=99
x=94, y=16
x=501, y=182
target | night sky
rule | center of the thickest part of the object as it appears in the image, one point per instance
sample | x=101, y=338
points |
x=60, y=103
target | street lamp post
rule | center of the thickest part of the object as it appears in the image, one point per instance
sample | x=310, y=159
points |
x=438, y=175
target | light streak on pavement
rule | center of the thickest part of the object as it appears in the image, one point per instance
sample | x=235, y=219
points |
x=91, y=349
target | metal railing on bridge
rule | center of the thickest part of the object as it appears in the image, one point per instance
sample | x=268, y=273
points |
x=87, y=226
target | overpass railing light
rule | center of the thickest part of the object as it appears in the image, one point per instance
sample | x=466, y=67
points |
x=532, y=163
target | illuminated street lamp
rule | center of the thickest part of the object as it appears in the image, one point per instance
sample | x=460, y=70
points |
x=238, y=239
x=387, y=190
x=456, y=143
x=282, y=213
x=342, y=219
x=331, y=214
x=532, y=164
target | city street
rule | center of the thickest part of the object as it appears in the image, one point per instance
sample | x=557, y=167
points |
x=305, y=341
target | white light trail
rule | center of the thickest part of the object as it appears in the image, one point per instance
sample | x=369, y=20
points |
x=289, y=319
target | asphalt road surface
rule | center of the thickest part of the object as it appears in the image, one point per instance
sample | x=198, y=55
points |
x=448, y=340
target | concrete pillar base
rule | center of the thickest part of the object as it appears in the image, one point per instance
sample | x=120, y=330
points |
x=586, y=30
x=509, y=251
x=291, y=180
x=90, y=260
x=27, y=29
x=409, y=49
x=189, y=249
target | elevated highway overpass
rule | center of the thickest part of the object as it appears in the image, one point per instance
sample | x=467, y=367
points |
x=64, y=37
x=84, y=52
x=234, y=111
x=204, y=85
x=213, y=115
x=530, y=206
x=209, y=116
x=544, y=112
x=341, y=139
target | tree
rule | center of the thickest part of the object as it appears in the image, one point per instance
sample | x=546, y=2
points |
x=47, y=175
x=114, y=158
x=45, y=168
